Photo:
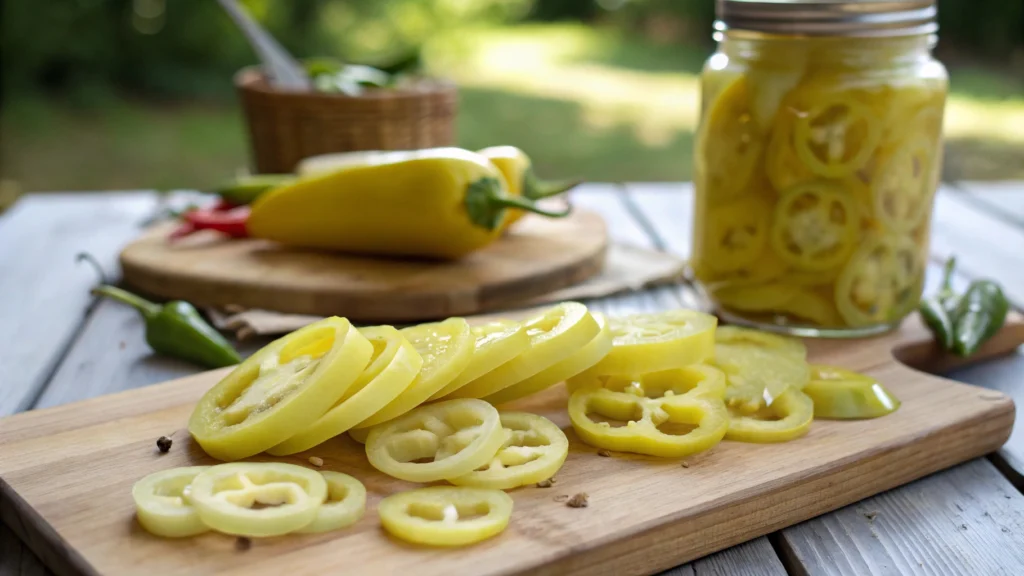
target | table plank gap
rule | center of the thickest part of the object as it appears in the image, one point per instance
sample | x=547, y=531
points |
x=966, y=520
x=1003, y=200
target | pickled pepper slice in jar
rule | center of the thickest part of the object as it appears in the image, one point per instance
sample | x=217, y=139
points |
x=841, y=394
x=731, y=143
x=735, y=235
x=881, y=282
x=904, y=184
x=837, y=134
x=815, y=226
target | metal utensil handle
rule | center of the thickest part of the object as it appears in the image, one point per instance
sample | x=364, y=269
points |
x=285, y=71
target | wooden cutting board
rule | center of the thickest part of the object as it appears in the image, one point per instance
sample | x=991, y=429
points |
x=66, y=474
x=538, y=256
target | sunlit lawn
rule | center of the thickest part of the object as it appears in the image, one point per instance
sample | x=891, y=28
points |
x=583, y=102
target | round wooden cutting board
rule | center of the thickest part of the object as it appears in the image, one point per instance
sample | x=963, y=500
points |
x=538, y=256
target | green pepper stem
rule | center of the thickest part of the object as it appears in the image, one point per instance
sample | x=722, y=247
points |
x=144, y=306
x=535, y=188
x=529, y=206
x=486, y=204
x=947, y=274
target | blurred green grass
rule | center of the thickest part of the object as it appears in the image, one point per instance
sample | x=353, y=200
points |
x=584, y=102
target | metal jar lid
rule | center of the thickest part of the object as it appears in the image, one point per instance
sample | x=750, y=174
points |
x=869, y=18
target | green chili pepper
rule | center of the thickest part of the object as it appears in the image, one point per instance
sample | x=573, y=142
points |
x=245, y=190
x=938, y=310
x=176, y=329
x=979, y=314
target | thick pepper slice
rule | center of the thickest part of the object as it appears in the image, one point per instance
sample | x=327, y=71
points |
x=258, y=498
x=579, y=362
x=731, y=141
x=837, y=135
x=279, y=390
x=496, y=343
x=445, y=515
x=787, y=418
x=881, y=281
x=735, y=235
x=446, y=348
x=161, y=504
x=651, y=342
x=841, y=394
x=670, y=415
x=534, y=450
x=759, y=367
x=815, y=226
x=458, y=436
x=903, y=186
x=773, y=342
x=555, y=334
x=393, y=367
x=345, y=504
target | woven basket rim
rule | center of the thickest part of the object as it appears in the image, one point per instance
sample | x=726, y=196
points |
x=252, y=79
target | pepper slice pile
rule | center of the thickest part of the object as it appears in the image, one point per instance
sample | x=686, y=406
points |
x=497, y=343
x=652, y=342
x=446, y=516
x=759, y=367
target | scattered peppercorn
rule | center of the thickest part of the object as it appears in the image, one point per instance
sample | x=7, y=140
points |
x=578, y=501
x=164, y=444
x=604, y=453
x=546, y=483
x=561, y=498
x=316, y=461
x=242, y=544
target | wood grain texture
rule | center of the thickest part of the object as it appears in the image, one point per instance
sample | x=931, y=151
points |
x=754, y=558
x=967, y=520
x=45, y=295
x=537, y=257
x=66, y=475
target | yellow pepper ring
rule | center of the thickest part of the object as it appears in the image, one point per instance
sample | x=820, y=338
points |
x=788, y=417
x=279, y=390
x=881, y=281
x=841, y=394
x=226, y=497
x=445, y=515
x=582, y=360
x=496, y=343
x=815, y=226
x=902, y=188
x=458, y=436
x=732, y=143
x=736, y=234
x=781, y=344
x=652, y=342
x=345, y=505
x=830, y=128
x=394, y=366
x=534, y=450
x=161, y=505
x=360, y=434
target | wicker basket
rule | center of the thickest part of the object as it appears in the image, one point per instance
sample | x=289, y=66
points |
x=287, y=126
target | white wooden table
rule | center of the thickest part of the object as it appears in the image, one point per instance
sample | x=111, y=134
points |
x=59, y=345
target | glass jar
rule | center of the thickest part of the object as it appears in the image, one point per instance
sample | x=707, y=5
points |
x=817, y=160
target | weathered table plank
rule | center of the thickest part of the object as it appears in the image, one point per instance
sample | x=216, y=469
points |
x=966, y=520
x=1002, y=198
x=44, y=294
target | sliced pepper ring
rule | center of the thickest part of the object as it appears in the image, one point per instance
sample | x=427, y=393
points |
x=788, y=417
x=737, y=335
x=881, y=281
x=446, y=348
x=695, y=380
x=496, y=343
x=555, y=334
x=731, y=142
x=903, y=187
x=651, y=342
x=458, y=436
x=759, y=366
x=345, y=504
x=735, y=234
x=534, y=449
x=837, y=136
x=445, y=515
x=395, y=364
x=275, y=393
x=815, y=226
x=162, y=507
x=226, y=497
x=841, y=394
x=579, y=362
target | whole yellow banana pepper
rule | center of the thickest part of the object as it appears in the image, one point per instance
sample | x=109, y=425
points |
x=520, y=178
x=436, y=203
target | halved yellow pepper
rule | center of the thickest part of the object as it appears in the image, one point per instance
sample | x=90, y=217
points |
x=437, y=203
x=842, y=394
x=280, y=389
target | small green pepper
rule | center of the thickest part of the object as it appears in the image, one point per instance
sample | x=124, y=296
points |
x=979, y=314
x=176, y=329
x=938, y=310
x=244, y=190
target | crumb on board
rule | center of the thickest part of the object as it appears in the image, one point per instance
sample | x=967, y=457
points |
x=604, y=453
x=870, y=515
x=580, y=500
x=561, y=498
x=163, y=444
x=963, y=526
x=684, y=464
x=316, y=461
x=546, y=483
x=242, y=544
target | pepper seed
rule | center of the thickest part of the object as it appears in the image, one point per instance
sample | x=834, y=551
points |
x=316, y=461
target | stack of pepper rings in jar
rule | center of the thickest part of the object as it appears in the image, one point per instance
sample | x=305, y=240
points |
x=817, y=159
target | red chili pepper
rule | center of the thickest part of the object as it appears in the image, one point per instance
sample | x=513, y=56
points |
x=230, y=222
